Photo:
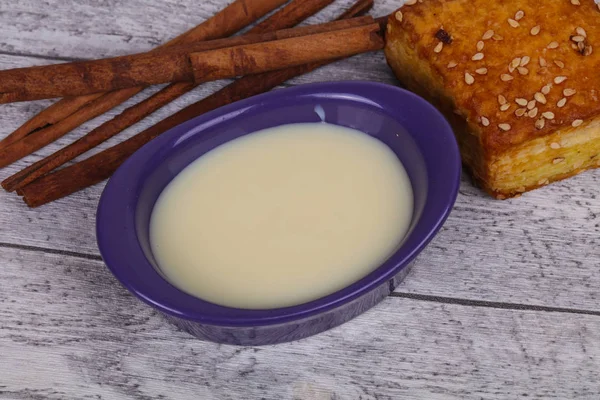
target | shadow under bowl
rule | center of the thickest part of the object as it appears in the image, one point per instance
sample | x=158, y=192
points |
x=416, y=132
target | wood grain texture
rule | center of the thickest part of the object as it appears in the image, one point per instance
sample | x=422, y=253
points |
x=69, y=324
x=69, y=330
x=88, y=29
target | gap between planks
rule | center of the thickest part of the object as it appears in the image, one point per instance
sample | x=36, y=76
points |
x=42, y=56
x=401, y=295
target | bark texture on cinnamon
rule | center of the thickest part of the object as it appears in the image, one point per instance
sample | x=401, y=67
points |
x=263, y=57
x=101, y=166
x=232, y=18
x=281, y=19
x=162, y=66
x=55, y=113
x=39, y=139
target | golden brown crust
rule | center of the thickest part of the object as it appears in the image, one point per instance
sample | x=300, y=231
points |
x=509, y=69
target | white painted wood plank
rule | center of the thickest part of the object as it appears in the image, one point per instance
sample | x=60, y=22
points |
x=94, y=29
x=69, y=330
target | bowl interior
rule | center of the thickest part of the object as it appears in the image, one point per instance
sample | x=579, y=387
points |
x=413, y=129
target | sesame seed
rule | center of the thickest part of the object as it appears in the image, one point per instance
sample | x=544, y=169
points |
x=548, y=115
x=520, y=101
x=511, y=69
x=497, y=37
x=477, y=57
x=543, y=182
x=469, y=79
x=560, y=79
x=546, y=89
x=506, y=77
x=574, y=46
x=540, y=123
x=480, y=45
x=524, y=61
x=410, y=2
x=519, y=15
x=577, y=38
x=581, y=46
x=554, y=145
x=588, y=50
x=523, y=70
x=533, y=113
x=543, y=62
x=504, y=107
x=535, y=30
x=569, y=92
x=519, y=112
x=481, y=71
x=575, y=2
x=399, y=16
x=485, y=121
x=552, y=45
x=488, y=35
x=540, y=97
x=559, y=63
x=577, y=123
x=501, y=99
x=504, y=127
x=581, y=32
x=558, y=160
x=515, y=62
x=452, y=64
x=561, y=103
x=531, y=104
x=438, y=48
x=513, y=23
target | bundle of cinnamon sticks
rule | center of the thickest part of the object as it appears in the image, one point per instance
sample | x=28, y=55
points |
x=268, y=55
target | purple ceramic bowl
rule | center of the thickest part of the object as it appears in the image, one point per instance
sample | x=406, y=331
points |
x=411, y=127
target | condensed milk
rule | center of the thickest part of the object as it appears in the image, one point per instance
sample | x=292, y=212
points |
x=282, y=216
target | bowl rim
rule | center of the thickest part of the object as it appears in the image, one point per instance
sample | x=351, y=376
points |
x=115, y=220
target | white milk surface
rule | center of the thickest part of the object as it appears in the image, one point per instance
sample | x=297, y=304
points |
x=282, y=216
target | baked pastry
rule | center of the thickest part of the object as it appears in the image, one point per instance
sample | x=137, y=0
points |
x=519, y=80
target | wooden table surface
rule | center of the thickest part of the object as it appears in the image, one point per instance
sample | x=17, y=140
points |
x=504, y=303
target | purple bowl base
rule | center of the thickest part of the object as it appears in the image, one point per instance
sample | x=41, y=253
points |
x=273, y=334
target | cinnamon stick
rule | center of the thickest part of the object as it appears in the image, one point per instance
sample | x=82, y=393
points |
x=262, y=57
x=51, y=115
x=288, y=15
x=232, y=18
x=101, y=166
x=145, y=69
